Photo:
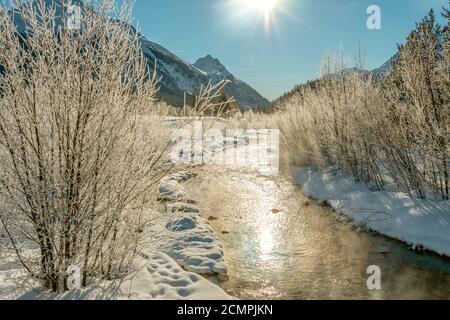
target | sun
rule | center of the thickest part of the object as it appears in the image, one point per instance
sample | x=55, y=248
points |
x=251, y=14
x=266, y=6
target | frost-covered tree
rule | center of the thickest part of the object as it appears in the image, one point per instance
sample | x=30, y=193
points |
x=422, y=70
x=79, y=143
x=395, y=129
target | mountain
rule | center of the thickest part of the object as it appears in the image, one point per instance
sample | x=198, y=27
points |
x=385, y=69
x=177, y=76
x=379, y=73
x=179, y=79
x=245, y=95
x=213, y=67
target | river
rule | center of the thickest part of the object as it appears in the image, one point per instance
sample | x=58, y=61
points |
x=279, y=244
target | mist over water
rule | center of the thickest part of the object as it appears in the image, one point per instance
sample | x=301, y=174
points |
x=281, y=245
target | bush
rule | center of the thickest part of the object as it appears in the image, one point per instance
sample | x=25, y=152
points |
x=395, y=129
x=80, y=145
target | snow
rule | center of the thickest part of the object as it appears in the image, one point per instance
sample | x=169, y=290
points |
x=182, y=207
x=161, y=278
x=155, y=276
x=184, y=234
x=245, y=95
x=170, y=191
x=181, y=224
x=184, y=81
x=180, y=251
x=213, y=67
x=181, y=176
x=9, y=286
x=420, y=223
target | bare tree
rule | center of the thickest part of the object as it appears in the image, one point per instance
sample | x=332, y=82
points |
x=396, y=129
x=80, y=146
x=422, y=73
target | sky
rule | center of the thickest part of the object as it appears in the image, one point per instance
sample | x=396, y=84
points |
x=277, y=49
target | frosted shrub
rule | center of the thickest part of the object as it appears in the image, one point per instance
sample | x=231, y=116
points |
x=80, y=145
x=397, y=129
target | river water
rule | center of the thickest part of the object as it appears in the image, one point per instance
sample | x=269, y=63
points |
x=279, y=244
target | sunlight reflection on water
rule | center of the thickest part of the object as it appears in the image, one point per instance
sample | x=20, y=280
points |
x=280, y=245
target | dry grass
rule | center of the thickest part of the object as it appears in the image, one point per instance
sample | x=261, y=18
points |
x=397, y=129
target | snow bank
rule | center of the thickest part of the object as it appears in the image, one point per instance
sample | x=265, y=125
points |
x=179, y=247
x=9, y=285
x=182, y=207
x=161, y=278
x=154, y=277
x=170, y=191
x=420, y=223
x=184, y=234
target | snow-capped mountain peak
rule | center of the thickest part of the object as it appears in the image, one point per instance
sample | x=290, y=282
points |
x=212, y=66
x=245, y=95
x=180, y=80
x=383, y=71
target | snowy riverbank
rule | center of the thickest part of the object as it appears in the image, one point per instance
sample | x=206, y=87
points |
x=420, y=223
x=179, y=254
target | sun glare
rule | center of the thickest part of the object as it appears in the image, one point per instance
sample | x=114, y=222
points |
x=265, y=6
x=252, y=14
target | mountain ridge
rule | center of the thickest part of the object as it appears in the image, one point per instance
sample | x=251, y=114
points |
x=380, y=73
x=180, y=80
x=244, y=94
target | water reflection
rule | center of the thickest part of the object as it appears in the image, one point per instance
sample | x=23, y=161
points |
x=280, y=245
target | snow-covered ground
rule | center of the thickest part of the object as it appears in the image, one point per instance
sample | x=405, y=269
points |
x=161, y=278
x=155, y=276
x=182, y=233
x=180, y=251
x=420, y=223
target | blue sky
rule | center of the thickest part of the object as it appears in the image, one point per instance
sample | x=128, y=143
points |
x=274, y=59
